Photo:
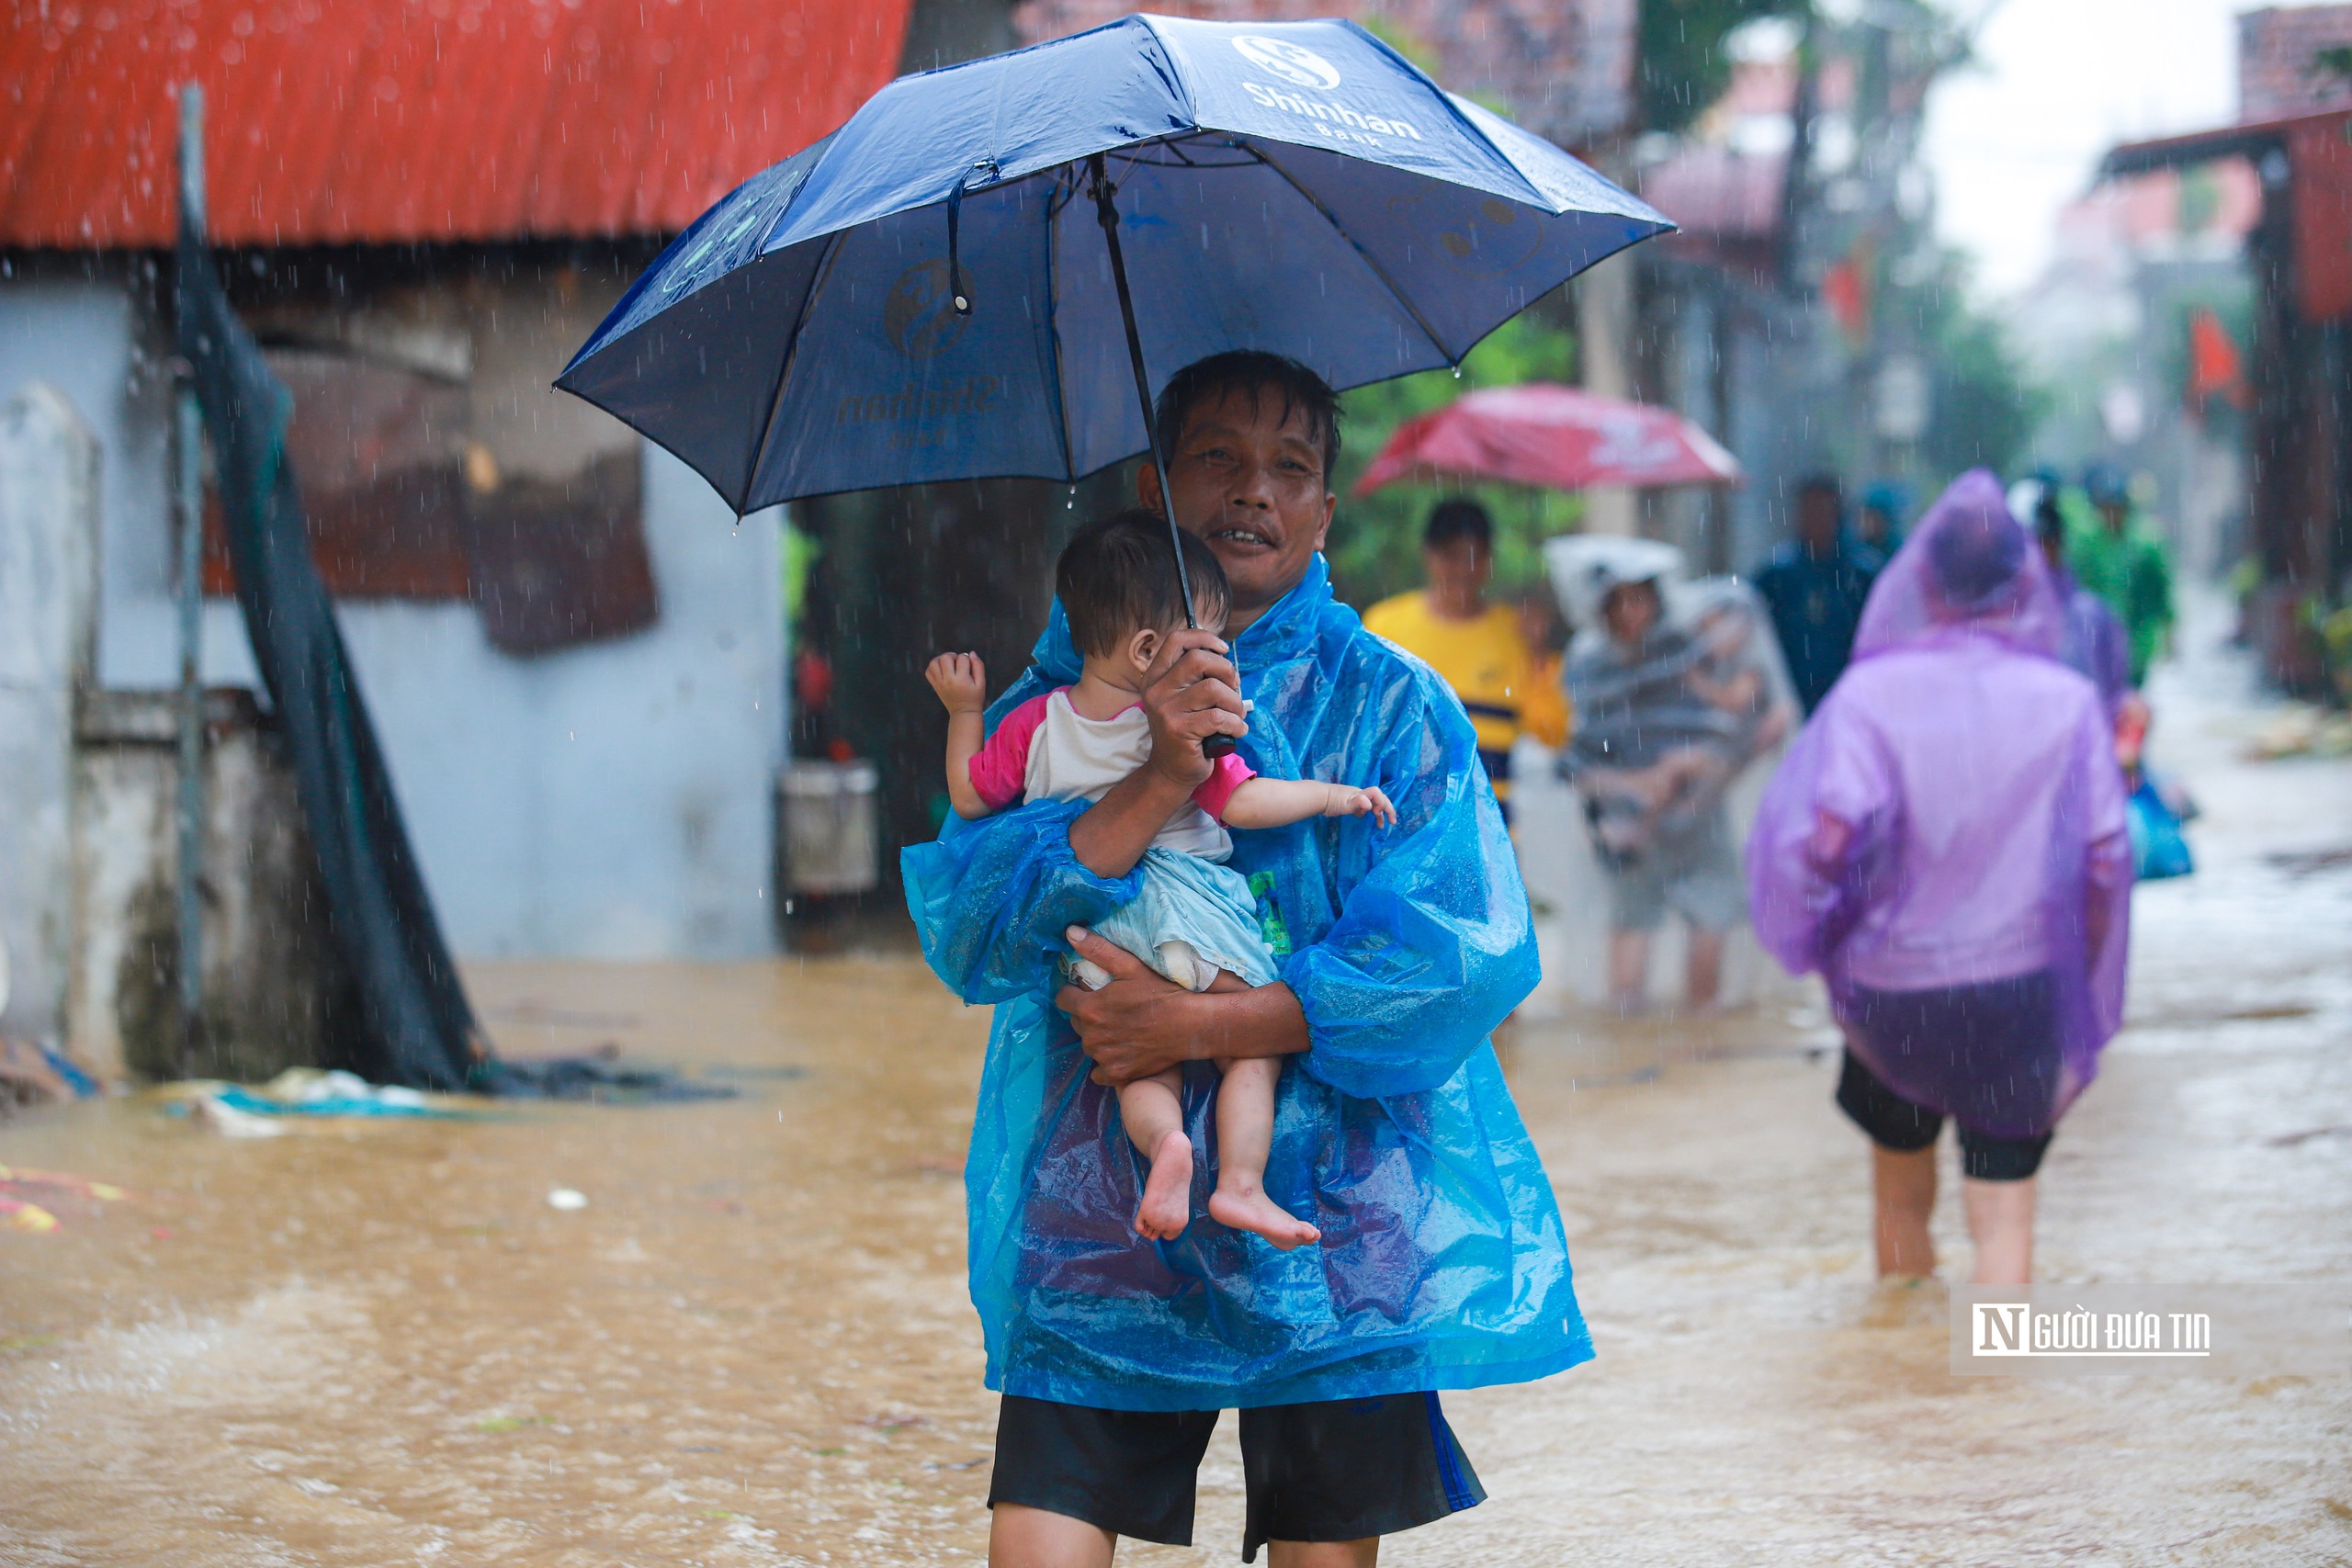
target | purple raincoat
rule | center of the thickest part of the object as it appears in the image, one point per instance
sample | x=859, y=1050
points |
x=1946, y=841
x=2093, y=641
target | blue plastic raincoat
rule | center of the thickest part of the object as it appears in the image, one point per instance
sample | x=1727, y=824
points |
x=1443, y=1263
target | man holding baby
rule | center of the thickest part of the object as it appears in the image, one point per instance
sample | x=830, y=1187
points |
x=1438, y=1260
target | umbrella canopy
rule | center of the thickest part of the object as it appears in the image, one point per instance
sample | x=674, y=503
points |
x=931, y=292
x=1558, y=437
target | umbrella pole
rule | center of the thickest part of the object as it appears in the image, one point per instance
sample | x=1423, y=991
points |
x=1107, y=214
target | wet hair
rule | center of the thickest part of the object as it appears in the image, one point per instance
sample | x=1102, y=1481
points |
x=1118, y=577
x=1458, y=519
x=1977, y=557
x=1256, y=373
x=1821, y=481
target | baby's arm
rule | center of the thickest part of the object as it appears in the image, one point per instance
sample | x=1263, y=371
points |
x=1277, y=803
x=962, y=682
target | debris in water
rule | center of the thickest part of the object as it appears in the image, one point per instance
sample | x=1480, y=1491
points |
x=28, y=1197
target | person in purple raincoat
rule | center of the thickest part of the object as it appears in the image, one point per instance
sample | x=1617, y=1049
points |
x=1946, y=845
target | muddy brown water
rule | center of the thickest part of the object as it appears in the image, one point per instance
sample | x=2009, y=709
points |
x=380, y=1345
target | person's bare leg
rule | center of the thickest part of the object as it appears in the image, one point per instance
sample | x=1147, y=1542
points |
x=1706, y=970
x=1031, y=1538
x=1152, y=1110
x=1629, y=970
x=1363, y=1554
x=2000, y=1221
x=1904, y=1185
x=1245, y=1133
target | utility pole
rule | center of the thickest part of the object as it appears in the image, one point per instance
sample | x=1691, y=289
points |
x=188, y=461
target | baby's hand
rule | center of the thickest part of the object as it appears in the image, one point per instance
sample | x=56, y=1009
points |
x=961, y=681
x=1348, y=801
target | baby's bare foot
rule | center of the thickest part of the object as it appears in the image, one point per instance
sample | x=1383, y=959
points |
x=1253, y=1210
x=1167, y=1206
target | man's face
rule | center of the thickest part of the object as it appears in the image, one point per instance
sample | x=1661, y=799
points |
x=2115, y=515
x=1458, y=568
x=1250, y=482
x=1817, y=520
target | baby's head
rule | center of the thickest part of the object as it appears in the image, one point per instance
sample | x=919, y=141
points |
x=1117, y=584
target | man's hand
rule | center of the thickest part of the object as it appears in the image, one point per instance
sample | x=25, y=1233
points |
x=961, y=681
x=1140, y=1023
x=1191, y=692
x=1125, y=1026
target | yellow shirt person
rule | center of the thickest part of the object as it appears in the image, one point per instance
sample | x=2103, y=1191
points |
x=1477, y=647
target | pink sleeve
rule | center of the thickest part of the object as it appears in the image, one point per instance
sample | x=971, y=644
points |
x=1226, y=774
x=999, y=768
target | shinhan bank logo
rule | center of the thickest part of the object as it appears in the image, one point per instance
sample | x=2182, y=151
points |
x=1300, y=67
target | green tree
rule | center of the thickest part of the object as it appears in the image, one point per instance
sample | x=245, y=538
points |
x=1684, y=67
x=1376, y=540
x=1985, y=405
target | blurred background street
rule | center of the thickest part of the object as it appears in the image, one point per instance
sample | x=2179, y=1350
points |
x=495, y=1113
x=381, y=1344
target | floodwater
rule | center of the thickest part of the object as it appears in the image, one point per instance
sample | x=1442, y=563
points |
x=381, y=1345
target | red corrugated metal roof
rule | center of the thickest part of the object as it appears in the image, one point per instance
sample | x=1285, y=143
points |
x=337, y=121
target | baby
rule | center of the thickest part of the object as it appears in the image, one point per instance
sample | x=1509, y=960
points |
x=1195, y=918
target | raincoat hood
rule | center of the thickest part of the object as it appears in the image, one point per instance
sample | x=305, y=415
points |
x=1584, y=567
x=1969, y=567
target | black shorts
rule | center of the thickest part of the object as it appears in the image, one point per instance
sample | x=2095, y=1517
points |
x=1336, y=1470
x=1895, y=1122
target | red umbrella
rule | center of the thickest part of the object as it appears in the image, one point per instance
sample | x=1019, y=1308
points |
x=1554, y=436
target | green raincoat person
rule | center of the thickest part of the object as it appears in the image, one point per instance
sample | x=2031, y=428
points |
x=2114, y=554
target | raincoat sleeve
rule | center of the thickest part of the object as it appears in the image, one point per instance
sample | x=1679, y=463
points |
x=1433, y=944
x=991, y=898
x=1827, y=803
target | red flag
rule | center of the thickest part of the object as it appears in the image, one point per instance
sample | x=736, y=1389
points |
x=2214, y=367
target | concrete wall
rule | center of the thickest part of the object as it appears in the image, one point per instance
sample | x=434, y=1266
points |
x=274, y=993
x=609, y=800
x=48, y=473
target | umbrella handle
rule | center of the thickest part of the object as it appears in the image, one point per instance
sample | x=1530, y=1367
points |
x=1107, y=212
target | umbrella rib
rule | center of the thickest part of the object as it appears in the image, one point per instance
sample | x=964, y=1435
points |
x=1054, y=327
x=791, y=358
x=1378, y=271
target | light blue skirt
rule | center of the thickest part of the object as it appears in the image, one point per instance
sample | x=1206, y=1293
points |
x=1198, y=902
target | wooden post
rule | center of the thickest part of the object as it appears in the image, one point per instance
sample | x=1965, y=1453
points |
x=189, y=459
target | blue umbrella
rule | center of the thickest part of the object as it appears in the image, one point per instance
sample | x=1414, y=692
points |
x=941, y=289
